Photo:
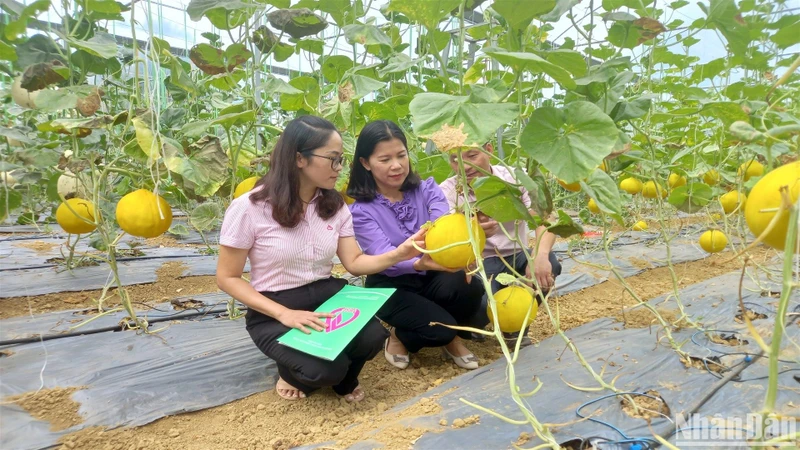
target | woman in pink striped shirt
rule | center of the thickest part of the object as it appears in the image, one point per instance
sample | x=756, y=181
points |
x=290, y=226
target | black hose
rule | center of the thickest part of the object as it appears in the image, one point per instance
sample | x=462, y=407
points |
x=47, y=337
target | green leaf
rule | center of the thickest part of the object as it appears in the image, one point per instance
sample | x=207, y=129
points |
x=366, y=35
x=17, y=134
x=399, y=104
x=104, y=6
x=56, y=100
x=206, y=217
x=785, y=37
x=282, y=51
x=227, y=82
x=708, y=70
x=431, y=111
x=236, y=55
x=426, y=12
x=519, y=16
x=343, y=12
x=91, y=64
x=9, y=201
x=307, y=100
x=541, y=200
x=373, y=111
x=743, y=131
x=565, y=226
x=562, y=6
x=52, y=188
x=223, y=14
x=314, y=46
x=534, y=63
x=399, y=62
x=632, y=109
x=274, y=85
x=62, y=125
x=334, y=68
x=623, y=34
x=724, y=15
x=102, y=45
x=499, y=200
x=570, y=142
x=692, y=197
x=436, y=165
x=235, y=119
x=728, y=112
x=475, y=72
x=600, y=187
x=572, y=61
x=17, y=27
x=433, y=42
x=365, y=85
x=7, y=52
x=203, y=171
x=196, y=128
x=147, y=140
x=39, y=48
x=610, y=5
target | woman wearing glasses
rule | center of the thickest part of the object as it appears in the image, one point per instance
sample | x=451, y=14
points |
x=290, y=226
x=392, y=203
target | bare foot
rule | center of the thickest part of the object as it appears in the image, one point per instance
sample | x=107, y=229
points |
x=287, y=391
x=356, y=396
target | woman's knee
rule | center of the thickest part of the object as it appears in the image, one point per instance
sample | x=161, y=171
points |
x=436, y=335
x=368, y=342
x=326, y=373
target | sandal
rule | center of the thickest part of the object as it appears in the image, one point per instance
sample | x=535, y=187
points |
x=290, y=392
x=356, y=396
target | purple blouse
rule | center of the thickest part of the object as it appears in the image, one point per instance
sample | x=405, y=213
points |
x=380, y=225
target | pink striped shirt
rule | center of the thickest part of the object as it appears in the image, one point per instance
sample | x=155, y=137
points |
x=284, y=258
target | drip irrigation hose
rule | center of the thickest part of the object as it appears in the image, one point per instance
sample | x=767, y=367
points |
x=118, y=327
x=672, y=427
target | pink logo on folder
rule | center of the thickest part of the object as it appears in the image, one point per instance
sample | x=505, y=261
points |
x=338, y=319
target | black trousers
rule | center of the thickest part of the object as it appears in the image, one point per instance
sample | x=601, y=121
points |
x=442, y=297
x=303, y=371
x=493, y=267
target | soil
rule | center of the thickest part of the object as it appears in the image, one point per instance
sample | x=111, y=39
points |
x=51, y=405
x=726, y=339
x=166, y=240
x=643, y=318
x=607, y=299
x=264, y=420
x=168, y=286
x=705, y=364
x=37, y=246
x=646, y=408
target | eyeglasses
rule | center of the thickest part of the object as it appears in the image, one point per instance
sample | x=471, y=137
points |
x=339, y=161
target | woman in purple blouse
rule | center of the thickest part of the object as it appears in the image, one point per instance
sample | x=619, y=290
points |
x=392, y=203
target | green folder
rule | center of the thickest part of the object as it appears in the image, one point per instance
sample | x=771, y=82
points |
x=352, y=307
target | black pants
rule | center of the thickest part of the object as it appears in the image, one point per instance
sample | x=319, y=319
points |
x=442, y=297
x=494, y=266
x=301, y=370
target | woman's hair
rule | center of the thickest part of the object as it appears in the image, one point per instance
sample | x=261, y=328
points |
x=281, y=184
x=362, y=184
